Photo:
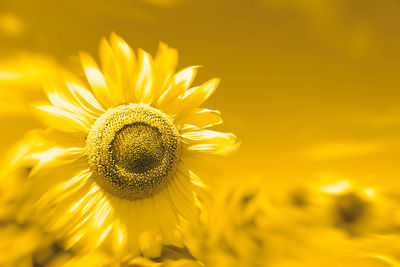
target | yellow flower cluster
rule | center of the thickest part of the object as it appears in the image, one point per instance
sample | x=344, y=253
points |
x=121, y=176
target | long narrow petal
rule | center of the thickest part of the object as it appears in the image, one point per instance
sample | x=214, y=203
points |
x=178, y=85
x=205, y=166
x=66, y=103
x=194, y=97
x=199, y=119
x=165, y=63
x=63, y=120
x=167, y=217
x=126, y=60
x=64, y=189
x=182, y=197
x=54, y=167
x=144, y=82
x=112, y=71
x=84, y=98
x=54, y=155
x=210, y=142
x=96, y=80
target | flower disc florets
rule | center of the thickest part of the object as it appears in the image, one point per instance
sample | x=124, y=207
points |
x=133, y=151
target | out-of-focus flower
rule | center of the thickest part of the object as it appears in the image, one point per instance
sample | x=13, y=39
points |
x=233, y=232
x=344, y=220
x=14, y=186
x=18, y=244
x=121, y=162
x=28, y=245
x=348, y=206
x=356, y=209
x=23, y=242
x=247, y=227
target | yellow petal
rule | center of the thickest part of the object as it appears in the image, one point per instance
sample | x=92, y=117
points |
x=198, y=119
x=119, y=236
x=144, y=82
x=114, y=67
x=212, y=142
x=166, y=216
x=85, y=98
x=182, y=198
x=63, y=102
x=63, y=120
x=64, y=189
x=126, y=60
x=194, y=97
x=54, y=155
x=50, y=173
x=165, y=63
x=96, y=80
x=178, y=85
x=206, y=167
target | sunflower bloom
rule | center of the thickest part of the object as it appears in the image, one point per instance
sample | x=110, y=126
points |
x=246, y=227
x=354, y=208
x=120, y=165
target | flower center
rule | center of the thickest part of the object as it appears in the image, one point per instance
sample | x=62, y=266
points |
x=133, y=151
x=350, y=208
x=138, y=148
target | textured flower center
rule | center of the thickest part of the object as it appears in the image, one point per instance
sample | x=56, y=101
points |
x=138, y=148
x=133, y=151
x=350, y=208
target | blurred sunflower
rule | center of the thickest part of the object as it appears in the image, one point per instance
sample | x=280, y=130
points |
x=351, y=207
x=119, y=165
x=245, y=226
x=234, y=230
x=27, y=245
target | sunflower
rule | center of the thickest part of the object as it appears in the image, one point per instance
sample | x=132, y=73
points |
x=120, y=165
x=357, y=209
x=246, y=226
x=352, y=207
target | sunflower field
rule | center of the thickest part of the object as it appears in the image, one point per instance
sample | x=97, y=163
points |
x=174, y=133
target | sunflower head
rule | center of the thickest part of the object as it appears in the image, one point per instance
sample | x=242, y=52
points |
x=128, y=152
x=133, y=150
x=350, y=208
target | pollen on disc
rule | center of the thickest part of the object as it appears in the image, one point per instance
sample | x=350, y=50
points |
x=138, y=148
